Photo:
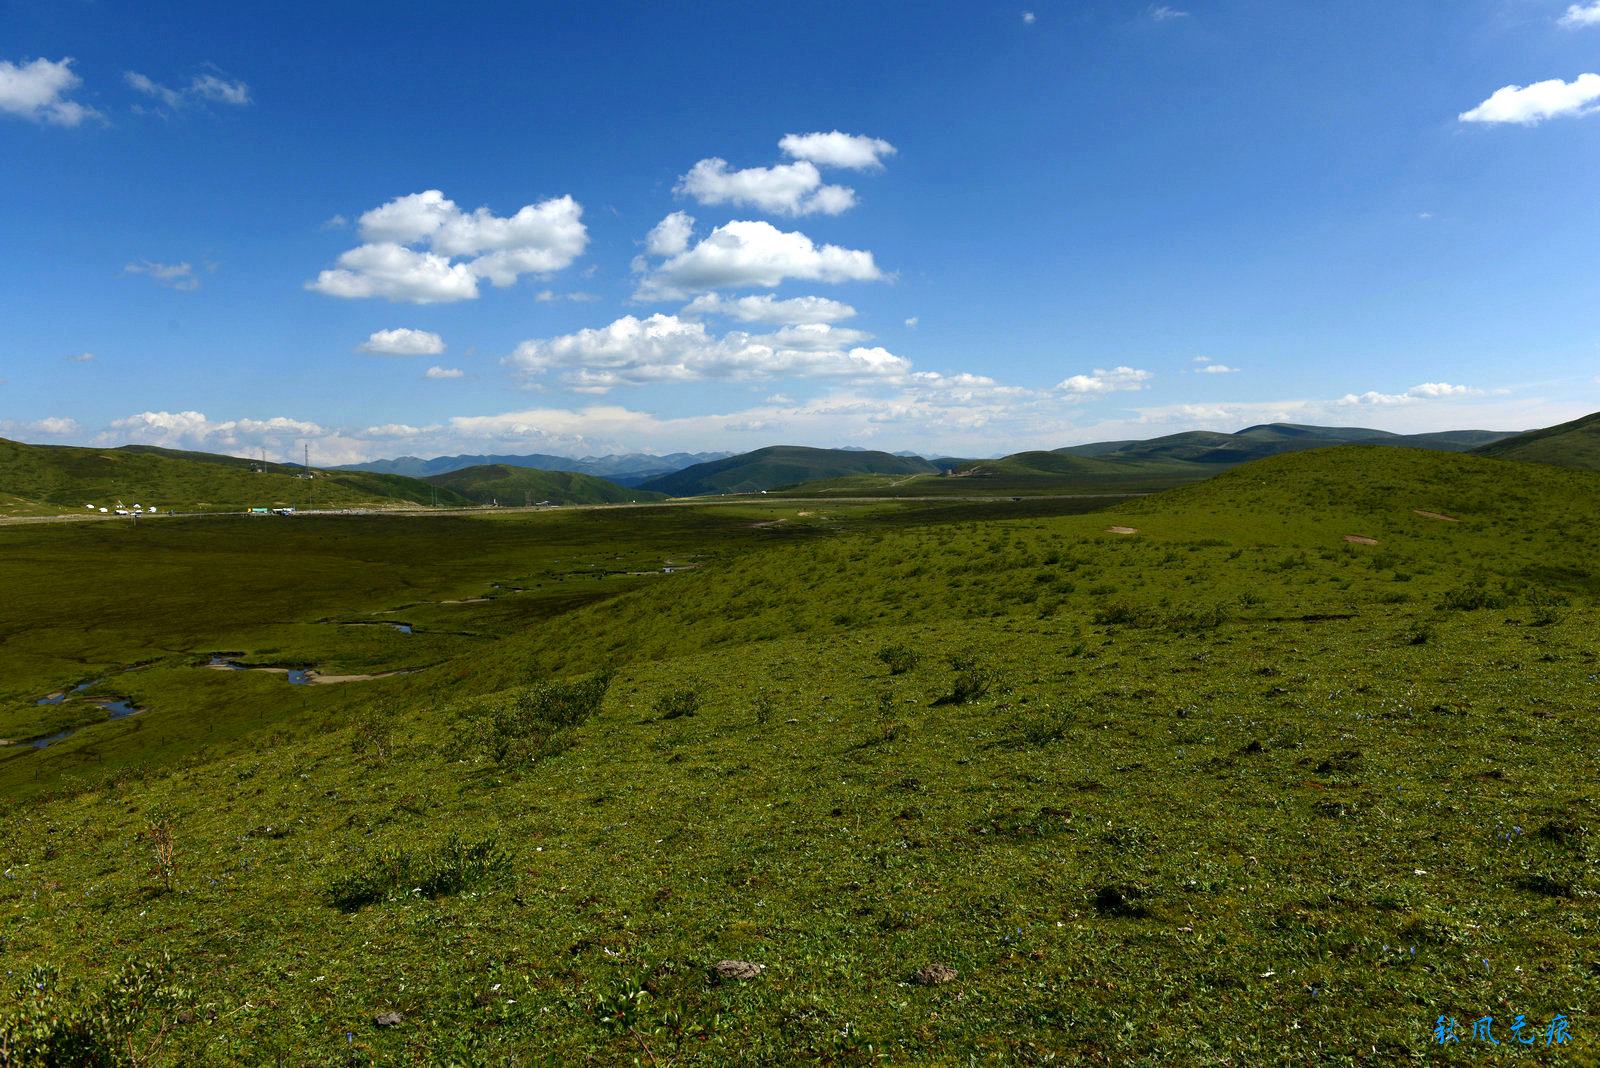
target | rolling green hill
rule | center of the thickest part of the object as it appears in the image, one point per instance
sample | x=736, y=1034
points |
x=782, y=465
x=1574, y=444
x=512, y=486
x=54, y=479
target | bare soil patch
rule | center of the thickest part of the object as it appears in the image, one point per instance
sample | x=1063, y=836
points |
x=1122, y=530
x=1437, y=515
x=1357, y=539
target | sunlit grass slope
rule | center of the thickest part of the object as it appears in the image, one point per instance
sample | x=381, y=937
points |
x=1196, y=781
x=1574, y=444
x=46, y=480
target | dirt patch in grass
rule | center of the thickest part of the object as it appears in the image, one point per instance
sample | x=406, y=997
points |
x=1357, y=539
x=1437, y=515
x=1122, y=530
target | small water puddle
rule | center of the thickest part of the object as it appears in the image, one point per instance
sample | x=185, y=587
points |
x=116, y=708
x=296, y=676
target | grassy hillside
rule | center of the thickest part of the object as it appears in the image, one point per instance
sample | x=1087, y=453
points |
x=47, y=480
x=1200, y=780
x=782, y=465
x=1574, y=444
x=511, y=486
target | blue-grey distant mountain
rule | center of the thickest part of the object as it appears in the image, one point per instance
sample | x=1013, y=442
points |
x=1270, y=439
x=626, y=469
x=782, y=465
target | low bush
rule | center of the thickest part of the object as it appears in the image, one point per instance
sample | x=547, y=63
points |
x=973, y=680
x=451, y=868
x=48, y=1024
x=675, y=704
x=899, y=659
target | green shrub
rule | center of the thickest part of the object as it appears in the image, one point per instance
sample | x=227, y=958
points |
x=449, y=869
x=973, y=680
x=47, y=1026
x=535, y=725
x=899, y=659
x=675, y=704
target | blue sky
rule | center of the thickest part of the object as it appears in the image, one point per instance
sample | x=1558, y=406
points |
x=955, y=228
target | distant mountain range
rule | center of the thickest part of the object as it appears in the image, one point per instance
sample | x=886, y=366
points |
x=39, y=479
x=1270, y=439
x=628, y=469
x=511, y=486
x=782, y=465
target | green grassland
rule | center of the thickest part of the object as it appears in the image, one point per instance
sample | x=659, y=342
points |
x=1574, y=444
x=509, y=485
x=1193, y=780
x=52, y=480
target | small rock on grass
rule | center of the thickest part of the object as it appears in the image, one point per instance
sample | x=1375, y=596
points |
x=386, y=1019
x=735, y=969
x=934, y=973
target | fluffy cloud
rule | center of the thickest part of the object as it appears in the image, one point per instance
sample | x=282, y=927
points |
x=665, y=348
x=1218, y=369
x=176, y=276
x=38, y=91
x=539, y=238
x=1424, y=391
x=203, y=87
x=1119, y=378
x=279, y=436
x=786, y=189
x=769, y=309
x=1541, y=100
x=397, y=274
x=753, y=253
x=443, y=372
x=847, y=151
x=1577, y=16
x=51, y=427
x=403, y=342
x=671, y=235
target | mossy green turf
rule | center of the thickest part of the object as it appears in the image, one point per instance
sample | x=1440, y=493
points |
x=1242, y=792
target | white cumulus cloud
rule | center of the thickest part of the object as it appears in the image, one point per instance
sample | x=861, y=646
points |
x=540, y=239
x=403, y=342
x=671, y=235
x=785, y=189
x=1581, y=15
x=767, y=308
x=443, y=372
x=847, y=151
x=753, y=253
x=1101, y=381
x=49, y=427
x=38, y=91
x=665, y=348
x=1217, y=369
x=1424, y=391
x=1541, y=100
